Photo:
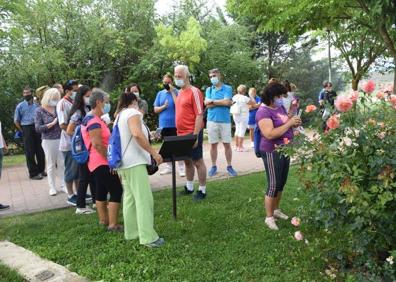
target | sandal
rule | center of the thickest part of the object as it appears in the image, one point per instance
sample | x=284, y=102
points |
x=117, y=228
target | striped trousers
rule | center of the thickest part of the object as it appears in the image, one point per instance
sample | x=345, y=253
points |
x=276, y=169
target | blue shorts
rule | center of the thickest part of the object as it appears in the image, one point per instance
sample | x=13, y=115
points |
x=71, y=167
x=197, y=152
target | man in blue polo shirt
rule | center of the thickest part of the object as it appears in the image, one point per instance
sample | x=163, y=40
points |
x=164, y=105
x=218, y=99
x=24, y=122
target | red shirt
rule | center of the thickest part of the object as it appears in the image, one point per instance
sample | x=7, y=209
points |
x=189, y=105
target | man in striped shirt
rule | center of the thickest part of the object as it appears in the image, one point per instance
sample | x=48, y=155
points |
x=189, y=120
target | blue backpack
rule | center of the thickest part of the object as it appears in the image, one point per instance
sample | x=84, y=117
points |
x=79, y=151
x=114, y=154
x=257, y=140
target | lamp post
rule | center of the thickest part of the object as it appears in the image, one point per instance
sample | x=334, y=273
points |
x=329, y=52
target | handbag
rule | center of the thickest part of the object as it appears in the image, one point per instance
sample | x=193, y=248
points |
x=152, y=168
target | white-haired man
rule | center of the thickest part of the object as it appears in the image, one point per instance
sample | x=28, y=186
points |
x=189, y=120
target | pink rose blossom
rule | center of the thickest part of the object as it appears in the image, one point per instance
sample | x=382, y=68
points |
x=333, y=122
x=392, y=99
x=368, y=86
x=343, y=103
x=388, y=88
x=298, y=236
x=381, y=135
x=286, y=140
x=310, y=108
x=296, y=221
x=380, y=95
x=354, y=96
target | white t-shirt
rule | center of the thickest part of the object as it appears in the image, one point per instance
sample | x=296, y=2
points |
x=1, y=137
x=63, y=109
x=134, y=154
x=242, y=102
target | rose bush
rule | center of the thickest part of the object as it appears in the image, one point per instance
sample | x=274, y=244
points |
x=349, y=173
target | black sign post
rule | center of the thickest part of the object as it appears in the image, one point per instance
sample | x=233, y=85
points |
x=176, y=148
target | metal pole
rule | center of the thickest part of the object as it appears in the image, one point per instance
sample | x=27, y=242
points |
x=174, y=187
x=329, y=52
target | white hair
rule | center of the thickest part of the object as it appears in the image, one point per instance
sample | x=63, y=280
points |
x=184, y=68
x=51, y=94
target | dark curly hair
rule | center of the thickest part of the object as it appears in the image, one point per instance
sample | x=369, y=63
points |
x=272, y=90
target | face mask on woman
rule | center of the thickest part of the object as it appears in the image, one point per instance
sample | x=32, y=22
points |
x=53, y=103
x=107, y=108
x=137, y=94
x=179, y=82
x=278, y=102
x=86, y=101
x=73, y=95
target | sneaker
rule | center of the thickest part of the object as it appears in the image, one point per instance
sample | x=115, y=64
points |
x=4, y=207
x=94, y=206
x=63, y=189
x=231, y=171
x=36, y=177
x=182, y=172
x=279, y=214
x=44, y=174
x=270, y=221
x=199, y=196
x=156, y=244
x=212, y=171
x=166, y=170
x=86, y=210
x=72, y=200
x=52, y=192
x=252, y=145
x=88, y=198
x=185, y=192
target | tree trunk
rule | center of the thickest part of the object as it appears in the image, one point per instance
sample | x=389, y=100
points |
x=355, y=83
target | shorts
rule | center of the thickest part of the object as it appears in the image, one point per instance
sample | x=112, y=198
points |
x=71, y=167
x=107, y=183
x=168, y=131
x=197, y=152
x=218, y=131
x=251, y=126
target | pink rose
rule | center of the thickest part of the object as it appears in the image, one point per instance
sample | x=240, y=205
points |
x=296, y=221
x=380, y=95
x=368, y=86
x=388, y=88
x=343, y=103
x=381, y=135
x=286, y=140
x=298, y=236
x=354, y=96
x=310, y=108
x=392, y=99
x=333, y=122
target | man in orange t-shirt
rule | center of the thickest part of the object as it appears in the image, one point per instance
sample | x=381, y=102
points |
x=189, y=120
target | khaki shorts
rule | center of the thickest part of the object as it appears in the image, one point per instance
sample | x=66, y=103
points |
x=218, y=132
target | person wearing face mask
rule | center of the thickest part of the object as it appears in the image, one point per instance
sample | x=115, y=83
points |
x=218, y=101
x=276, y=129
x=164, y=106
x=24, y=122
x=240, y=113
x=289, y=100
x=96, y=135
x=189, y=120
x=63, y=109
x=252, y=113
x=46, y=123
x=78, y=111
x=135, y=89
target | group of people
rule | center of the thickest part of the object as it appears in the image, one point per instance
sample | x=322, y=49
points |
x=48, y=123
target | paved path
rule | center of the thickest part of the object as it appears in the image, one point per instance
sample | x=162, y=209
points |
x=27, y=196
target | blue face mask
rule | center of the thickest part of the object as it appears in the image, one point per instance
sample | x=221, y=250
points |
x=179, y=82
x=73, y=95
x=107, y=108
x=214, y=80
x=278, y=102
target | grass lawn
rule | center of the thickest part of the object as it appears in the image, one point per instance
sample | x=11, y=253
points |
x=7, y=274
x=14, y=160
x=221, y=239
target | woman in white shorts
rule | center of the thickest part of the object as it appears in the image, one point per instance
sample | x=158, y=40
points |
x=240, y=114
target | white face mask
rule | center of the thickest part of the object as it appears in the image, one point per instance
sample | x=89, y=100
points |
x=86, y=101
x=136, y=94
x=52, y=103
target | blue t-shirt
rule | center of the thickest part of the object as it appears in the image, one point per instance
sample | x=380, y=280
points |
x=168, y=116
x=219, y=114
x=252, y=113
x=24, y=113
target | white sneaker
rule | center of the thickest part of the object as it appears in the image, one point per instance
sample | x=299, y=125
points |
x=270, y=221
x=63, y=189
x=182, y=172
x=252, y=145
x=279, y=214
x=166, y=170
x=52, y=192
x=86, y=210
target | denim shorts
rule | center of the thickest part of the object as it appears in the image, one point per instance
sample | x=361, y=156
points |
x=71, y=167
x=197, y=152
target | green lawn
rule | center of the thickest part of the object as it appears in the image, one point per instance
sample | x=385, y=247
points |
x=8, y=275
x=14, y=160
x=221, y=239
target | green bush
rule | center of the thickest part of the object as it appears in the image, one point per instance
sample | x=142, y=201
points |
x=349, y=173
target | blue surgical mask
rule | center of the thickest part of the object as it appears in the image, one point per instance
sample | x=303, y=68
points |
x=179, y=82
x=73, y=95
x=278, y=102
x=214, y=80
x=107, y=108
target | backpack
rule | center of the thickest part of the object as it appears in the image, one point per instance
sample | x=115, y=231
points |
x=114, y=151
x=257, y=140
x=79, y=151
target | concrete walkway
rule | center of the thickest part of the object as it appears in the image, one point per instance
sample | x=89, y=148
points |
x=28, y=196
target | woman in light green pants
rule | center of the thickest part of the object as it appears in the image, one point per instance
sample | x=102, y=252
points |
x=138, y=204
